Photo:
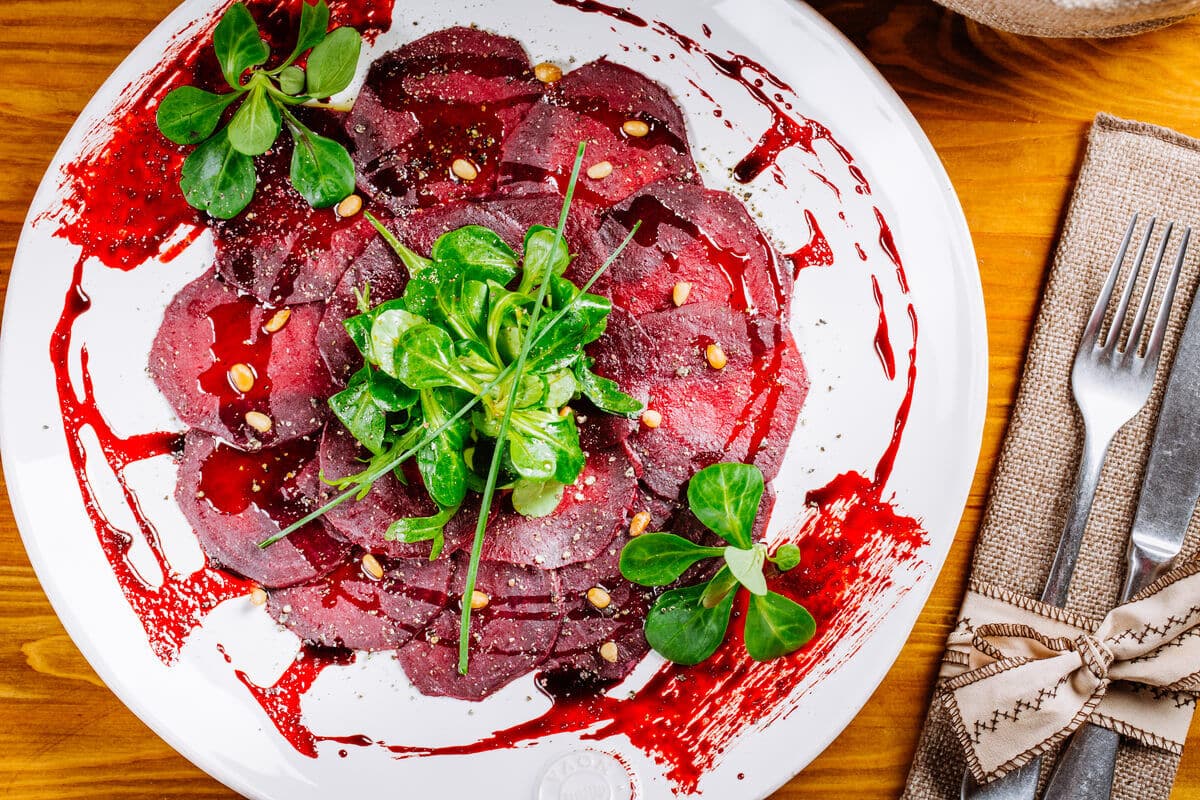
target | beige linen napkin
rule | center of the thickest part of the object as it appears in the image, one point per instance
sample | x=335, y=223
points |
x=1128, y=167
x=1075, y=17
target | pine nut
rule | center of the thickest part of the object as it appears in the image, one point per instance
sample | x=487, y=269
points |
x=609, y=652
x=351, y=205
x=259, y=421
x=599, y=598
x=258, y=596
x=680, y=292
x=479, y=600
x=639, y=523
x=715, y=356
x=372, y=567
x=277, y=320
x=635, y=127
x=241, y=377
x=547, y=72
x=464, y=169
x=651, y=418
x=600, y=170
x=565, y=412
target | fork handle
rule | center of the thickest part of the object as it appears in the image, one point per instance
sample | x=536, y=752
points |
x=1087, y=478
x=1021, y=784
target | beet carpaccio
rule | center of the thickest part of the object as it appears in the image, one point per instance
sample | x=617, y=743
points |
x=455, y=129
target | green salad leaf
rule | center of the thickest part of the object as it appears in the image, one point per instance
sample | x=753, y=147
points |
x=687, y=624
x=219, y=175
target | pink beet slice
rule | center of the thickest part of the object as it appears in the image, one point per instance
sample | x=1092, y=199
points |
x=586, y=628
x=364, y=522
x=349, y=608
x=591, y=104
x=509, y=637
x=744, y=412
x=207, y=329
x=695, y=235
x=454, y=94
x=280, y=249
x=235, y=499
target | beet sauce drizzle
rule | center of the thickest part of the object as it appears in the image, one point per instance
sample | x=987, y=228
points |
x=123, y=207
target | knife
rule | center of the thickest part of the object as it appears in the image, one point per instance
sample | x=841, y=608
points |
x=1170, y=489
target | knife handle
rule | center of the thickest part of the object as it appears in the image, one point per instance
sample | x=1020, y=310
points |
x=1085, y=769
x=1020, y=784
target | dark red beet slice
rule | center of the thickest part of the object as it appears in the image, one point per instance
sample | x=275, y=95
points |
x=421, y=228
x=348, y=608
x=455, y=94
x=280, y=249
x=365, y=521
x=576, y=656
x=744, y=412
x=377, y=266
x=587, y=519
x=529, y=208
x=697, y=235
x=509, y=638
x=235, y=499
x=591, y=104
x=207, y=329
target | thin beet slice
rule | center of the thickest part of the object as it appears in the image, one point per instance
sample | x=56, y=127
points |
x=348, y=608
x=587, y=519
x=208, y=328
x=380, y=269
x=743, y=412
x=235, y=499
x=280, y=249
x=590, y=635
x=591, y=104
x=695, y=235
x=528, y=208
x=364, y=522
x=509, y=637
x=454, y=94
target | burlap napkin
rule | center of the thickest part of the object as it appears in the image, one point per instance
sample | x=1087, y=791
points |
x=1075, y=17
x=1128, y=167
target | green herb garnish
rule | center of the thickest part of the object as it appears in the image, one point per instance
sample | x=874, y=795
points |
x=219, y=175
x=688, y=624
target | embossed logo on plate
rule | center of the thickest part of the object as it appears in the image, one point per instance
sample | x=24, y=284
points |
x=587, y=775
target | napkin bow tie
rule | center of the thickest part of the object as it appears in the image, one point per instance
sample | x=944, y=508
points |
x=1022, y=676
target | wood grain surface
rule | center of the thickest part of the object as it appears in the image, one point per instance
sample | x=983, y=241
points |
x=1006, y=114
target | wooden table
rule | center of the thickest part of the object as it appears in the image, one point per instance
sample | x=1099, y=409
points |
x=1006, y=114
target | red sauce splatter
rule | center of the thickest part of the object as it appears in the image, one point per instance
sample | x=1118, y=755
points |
x=281, y=700
x=817, y=253
x=595, y=7
x=123, y=207
x=888, y=243
x=883, y=342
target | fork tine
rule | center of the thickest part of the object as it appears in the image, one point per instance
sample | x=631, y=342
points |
x=1139, y=319
x=1118, y=320
x=1092, y=331
x=1154, y=348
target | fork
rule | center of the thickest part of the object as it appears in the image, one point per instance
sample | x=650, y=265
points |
x=1111, y=382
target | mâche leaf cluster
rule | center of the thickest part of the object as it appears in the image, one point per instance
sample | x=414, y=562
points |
x=465, y=313
x=688, y=624
x=219, y=175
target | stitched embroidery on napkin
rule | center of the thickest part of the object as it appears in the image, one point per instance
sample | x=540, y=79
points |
x=1020, y=676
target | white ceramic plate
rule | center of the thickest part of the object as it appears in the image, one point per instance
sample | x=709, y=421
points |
x=197, y=702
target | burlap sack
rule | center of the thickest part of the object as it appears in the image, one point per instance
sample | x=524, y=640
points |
x=1129, y=167
x=1064, y=18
